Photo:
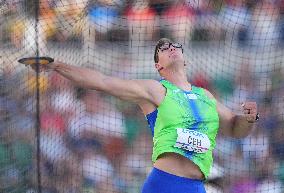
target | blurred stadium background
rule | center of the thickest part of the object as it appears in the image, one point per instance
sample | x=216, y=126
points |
x=89, y=142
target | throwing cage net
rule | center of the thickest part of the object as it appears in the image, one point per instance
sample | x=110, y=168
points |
x=59, y=138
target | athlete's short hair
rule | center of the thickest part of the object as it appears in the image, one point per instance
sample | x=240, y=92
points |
x=161, y=42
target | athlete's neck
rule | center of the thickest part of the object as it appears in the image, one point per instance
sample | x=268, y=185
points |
x=179, y=79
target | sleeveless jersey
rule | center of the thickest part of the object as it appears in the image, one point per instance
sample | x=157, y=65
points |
x=192, y=110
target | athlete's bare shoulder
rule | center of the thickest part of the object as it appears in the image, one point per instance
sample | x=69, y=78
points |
x=209, y=94
x=157, y=92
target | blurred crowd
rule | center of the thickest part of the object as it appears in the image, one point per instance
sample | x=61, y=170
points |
x=249, y=22
x=90, y=142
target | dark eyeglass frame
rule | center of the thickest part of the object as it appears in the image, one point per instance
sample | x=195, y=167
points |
x=167, y=46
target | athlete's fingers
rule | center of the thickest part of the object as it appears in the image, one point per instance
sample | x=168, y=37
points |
x=250, y=111
x=246, y=111
x=250, y=118
x=251, y=106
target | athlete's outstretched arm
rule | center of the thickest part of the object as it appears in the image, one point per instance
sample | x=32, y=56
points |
x=131, y=90
x=233, y=125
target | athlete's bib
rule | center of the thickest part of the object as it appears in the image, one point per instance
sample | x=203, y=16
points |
x=192, y=140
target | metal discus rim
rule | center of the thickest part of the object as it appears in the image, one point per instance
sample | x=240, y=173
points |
x=36, y=60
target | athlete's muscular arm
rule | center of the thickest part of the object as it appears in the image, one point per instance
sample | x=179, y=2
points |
x=132, y=90
x=233, y=125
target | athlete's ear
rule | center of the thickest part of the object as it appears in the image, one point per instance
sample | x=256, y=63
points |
x=158, y=66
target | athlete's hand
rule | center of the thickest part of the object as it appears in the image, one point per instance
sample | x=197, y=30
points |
x=250, y=111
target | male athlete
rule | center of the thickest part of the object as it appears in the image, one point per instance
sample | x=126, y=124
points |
x=184, y=119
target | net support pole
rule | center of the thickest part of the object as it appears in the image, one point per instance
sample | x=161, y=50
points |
x=38, y=157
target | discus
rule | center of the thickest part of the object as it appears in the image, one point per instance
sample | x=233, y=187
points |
x=36, y=60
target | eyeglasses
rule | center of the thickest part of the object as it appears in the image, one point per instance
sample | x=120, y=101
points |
x=167, y=46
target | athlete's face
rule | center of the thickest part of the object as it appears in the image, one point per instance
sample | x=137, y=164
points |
x=169, y=54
